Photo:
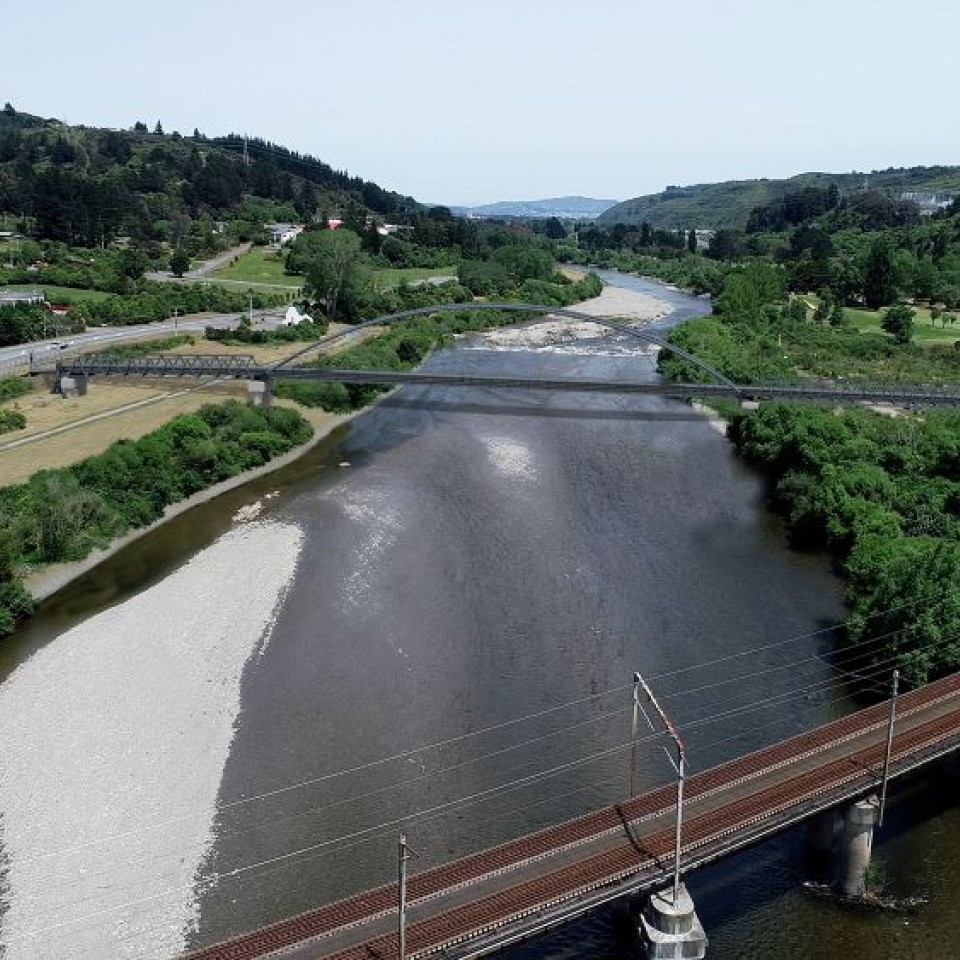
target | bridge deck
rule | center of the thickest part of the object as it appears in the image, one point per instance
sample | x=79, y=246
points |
x=474, y=905
x=244, y=367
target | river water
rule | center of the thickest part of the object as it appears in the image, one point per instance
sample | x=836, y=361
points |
x=432, y=627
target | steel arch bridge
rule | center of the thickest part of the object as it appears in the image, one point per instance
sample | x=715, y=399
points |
x=713, y=384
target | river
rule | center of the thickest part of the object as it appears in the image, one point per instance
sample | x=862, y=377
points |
x=228, y=722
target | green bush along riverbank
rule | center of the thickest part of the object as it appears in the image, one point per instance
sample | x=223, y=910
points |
x=881, y=493
x=64, y=514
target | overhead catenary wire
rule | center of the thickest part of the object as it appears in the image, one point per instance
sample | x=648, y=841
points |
x=434, y=773
x=485, y=820
x=291, y=856
x=440, y=809
x=493, y=728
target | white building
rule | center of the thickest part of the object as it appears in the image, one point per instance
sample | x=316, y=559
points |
x=293, y=316
x=11, y=298
x=283, y=233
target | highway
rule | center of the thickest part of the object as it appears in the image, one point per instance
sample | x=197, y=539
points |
x=18, y=356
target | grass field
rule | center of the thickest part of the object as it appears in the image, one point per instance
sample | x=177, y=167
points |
x=924, y=331
x=259, y=266
x=59, y=294
x=47, y=412
x=117, y=408
x=390, y=277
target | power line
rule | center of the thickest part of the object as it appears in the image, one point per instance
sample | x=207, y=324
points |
x=417, y=816
x=443, y=770
x=508, y=786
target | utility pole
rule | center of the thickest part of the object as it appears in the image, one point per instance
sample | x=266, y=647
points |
x=681, y=758
x=633, y=750
x=251, y=309
x=246, y=154
x=894, y=689
x=405, y=854
x=175, y=321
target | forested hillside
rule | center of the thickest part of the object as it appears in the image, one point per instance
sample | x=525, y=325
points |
x=728, y=205
x=86, y=186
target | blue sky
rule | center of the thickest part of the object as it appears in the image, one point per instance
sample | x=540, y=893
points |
x=468, y=103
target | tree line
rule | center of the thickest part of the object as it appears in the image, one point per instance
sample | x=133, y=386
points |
x=64, y=514
x=882, y=494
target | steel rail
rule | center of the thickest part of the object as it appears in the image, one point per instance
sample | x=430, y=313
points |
x=370, y=905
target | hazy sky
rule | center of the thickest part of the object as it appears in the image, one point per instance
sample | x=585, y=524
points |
x=511, y=99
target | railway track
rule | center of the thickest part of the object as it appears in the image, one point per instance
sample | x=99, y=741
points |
x=749, y=804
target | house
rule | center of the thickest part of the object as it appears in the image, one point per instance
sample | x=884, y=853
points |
x=927, y=201
x=283, y=233
x=293, y=316
x=13, y=298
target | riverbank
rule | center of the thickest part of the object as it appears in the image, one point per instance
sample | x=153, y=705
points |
x=44, y=582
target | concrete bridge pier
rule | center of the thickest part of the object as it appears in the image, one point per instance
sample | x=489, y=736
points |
x=260, y=392
x=672, y=931
x=858, y=821
x=75, y=386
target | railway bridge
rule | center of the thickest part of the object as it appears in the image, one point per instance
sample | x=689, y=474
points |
x=74, y=373
x=476, y=905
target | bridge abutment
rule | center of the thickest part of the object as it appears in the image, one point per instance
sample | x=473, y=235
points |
x=260, y=392
x=672, y=931
x=857, y=845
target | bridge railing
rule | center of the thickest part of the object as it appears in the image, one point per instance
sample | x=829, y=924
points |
x=876, y=389
x=162, y=365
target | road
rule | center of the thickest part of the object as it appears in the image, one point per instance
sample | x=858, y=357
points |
x=17, y=358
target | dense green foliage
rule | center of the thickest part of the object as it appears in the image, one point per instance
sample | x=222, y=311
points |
x=11, y=420
x=302, y=332
x=883, y=495
x=64, y=514
x=13, y=387
x=159, y=301
x=24, y=323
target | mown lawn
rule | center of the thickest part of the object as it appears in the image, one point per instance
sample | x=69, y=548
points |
x=59, y=294
x=390, y=277
x=260, y=265
x=924, y=329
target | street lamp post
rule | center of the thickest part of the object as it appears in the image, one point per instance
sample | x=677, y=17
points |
x=681, y=760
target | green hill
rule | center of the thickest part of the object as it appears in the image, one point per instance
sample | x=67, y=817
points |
x=728, y=204
x=85, y=186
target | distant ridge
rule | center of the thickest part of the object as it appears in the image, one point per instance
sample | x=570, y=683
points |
x=728, y=204
x=564, y=208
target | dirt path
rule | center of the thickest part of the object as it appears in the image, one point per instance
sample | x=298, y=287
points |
x=207, y=266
